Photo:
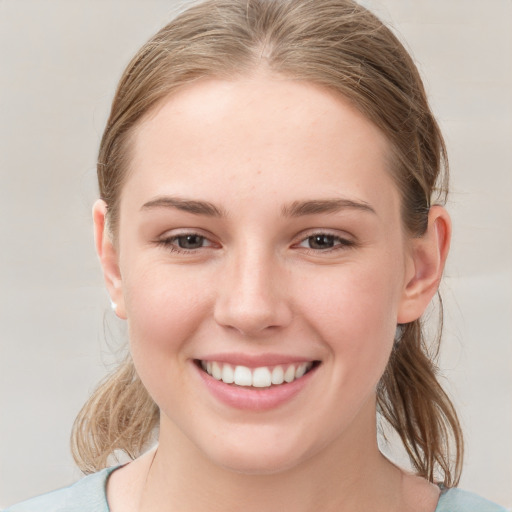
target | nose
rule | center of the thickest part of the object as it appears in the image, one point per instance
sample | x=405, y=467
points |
x=252, y=295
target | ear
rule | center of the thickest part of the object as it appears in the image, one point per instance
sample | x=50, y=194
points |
x=108, y=255
x=428, y=254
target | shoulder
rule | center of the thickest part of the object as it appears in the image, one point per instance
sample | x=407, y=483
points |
x=456, y=500
x=86, y=495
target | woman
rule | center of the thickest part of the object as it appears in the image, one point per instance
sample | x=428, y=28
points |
x=271, y=227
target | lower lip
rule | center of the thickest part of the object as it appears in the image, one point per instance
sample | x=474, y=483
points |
x=255, y=399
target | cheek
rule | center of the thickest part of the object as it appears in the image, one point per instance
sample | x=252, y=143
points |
x=359, y=297
x=164, y=307
x=355, y=310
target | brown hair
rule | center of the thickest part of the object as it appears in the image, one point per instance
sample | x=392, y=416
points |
x=342, y=46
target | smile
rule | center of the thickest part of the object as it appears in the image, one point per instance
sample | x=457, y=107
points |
x=261, y=377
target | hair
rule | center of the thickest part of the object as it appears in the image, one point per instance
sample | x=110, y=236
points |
x=341, y=46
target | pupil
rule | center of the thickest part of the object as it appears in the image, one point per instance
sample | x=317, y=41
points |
x=321, y=241
x=190, y=241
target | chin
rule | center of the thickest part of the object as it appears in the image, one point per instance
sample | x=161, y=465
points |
x=258, y=457
x=258, y=464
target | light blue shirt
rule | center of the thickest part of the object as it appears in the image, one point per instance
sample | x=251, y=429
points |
x=89, y=495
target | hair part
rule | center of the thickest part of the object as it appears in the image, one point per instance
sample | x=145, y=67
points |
x=337, y=44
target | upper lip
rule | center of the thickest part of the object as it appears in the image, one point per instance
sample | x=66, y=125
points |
x=255, y=360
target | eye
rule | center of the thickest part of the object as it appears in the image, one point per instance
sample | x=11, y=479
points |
x=185, y=242
x=191, y=241
x=321, y=241
x=325, y=242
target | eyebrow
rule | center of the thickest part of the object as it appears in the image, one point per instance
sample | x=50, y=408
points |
x=317, y=206
x=185, y=205
x=294, y=209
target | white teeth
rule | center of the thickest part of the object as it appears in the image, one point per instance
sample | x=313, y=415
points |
x=243, y=376
x=262, y=377
x=289, y=374
x=300, y=371
x=228, y=375
x=216, y=371
x=278, y=375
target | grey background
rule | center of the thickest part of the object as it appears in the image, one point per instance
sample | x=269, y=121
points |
x=59, y=64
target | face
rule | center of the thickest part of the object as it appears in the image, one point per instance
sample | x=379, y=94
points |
x=260, y=241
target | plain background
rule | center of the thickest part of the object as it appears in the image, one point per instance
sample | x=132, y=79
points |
x=59, y=64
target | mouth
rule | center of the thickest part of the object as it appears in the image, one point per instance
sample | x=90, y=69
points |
x=260, y=377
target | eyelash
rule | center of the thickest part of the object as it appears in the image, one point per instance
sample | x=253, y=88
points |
x=341, y=243
x=170, y=244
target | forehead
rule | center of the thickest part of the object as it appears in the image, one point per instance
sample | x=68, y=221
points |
x=261, y=134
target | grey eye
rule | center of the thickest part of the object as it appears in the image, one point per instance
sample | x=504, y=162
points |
x=190, y=241
x=321, y=241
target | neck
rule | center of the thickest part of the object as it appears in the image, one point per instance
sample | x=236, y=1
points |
x=349, y=474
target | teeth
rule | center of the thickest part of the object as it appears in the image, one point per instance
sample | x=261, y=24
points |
x=289, y=374
x=301, y=370
x=278, y=375
x=228, y=375
x=243, y=376
x=262, y=377
x=216, y=371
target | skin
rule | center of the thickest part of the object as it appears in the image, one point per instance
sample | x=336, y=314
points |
x=256, y=285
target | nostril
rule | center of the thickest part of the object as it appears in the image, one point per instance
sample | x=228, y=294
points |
x=253, y=320
x=252, y=298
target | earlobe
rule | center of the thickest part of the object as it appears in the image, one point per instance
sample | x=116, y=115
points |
x=108, y=255
x=429, y=254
